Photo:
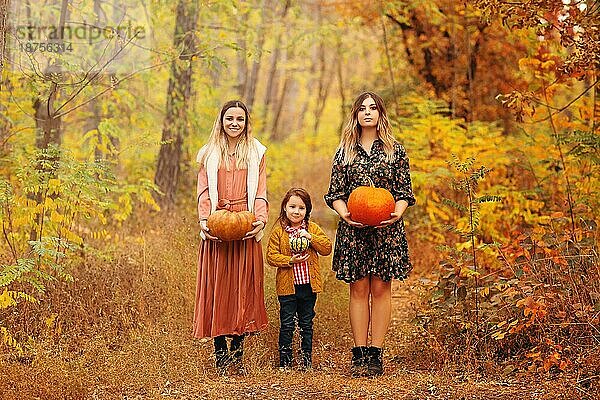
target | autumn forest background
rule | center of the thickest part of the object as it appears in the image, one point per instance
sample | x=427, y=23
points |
x=497, y=103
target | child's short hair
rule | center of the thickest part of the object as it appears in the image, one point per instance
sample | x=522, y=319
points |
x=304, y=196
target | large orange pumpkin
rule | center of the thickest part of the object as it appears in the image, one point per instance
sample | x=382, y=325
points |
x=370, y=205
x=230, y=225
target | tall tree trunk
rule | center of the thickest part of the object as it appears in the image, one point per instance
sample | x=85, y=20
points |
x=389, y=64
x=276, y=134
x=311, y=87
x=48, y=130
x=279, y=100
x=325, y=80
x=178, y=93
x=91, y=123
x=242, y=63
x=596, y=110
x=253, y=78
x=472, y=57
x=269, y=92
x=417, y=29
x=94, y=107
x=304, y=109
x=4, y=121
x=290, y=102
x=312, y=82
x=339, y=64
x=4, y=6
x=48, y=124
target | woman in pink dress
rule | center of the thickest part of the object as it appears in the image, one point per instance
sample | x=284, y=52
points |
x=229, y=292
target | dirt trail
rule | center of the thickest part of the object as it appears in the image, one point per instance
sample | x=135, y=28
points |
x=413, y=370
x=165, y=362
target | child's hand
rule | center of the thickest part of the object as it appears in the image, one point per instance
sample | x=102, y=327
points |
x=304, y=233
x=298, y=258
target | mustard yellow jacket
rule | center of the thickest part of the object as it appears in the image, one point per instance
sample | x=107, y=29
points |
x=279, y=255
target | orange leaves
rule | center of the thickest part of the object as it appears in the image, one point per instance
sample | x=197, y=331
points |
x=503, y=328
x=522, y=103
x=549, y=355
x=533, y=310
x=542, y=62
x=565, y=25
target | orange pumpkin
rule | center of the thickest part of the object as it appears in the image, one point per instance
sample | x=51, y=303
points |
x=230, y=225
x=370, y=205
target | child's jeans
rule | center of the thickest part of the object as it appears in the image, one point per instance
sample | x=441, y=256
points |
x=296, y=307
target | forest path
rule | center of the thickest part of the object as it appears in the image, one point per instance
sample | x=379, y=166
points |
x=159, y=359
x=412, y=370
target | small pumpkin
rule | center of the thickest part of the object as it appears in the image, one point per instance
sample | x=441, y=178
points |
x=299, y=244
x=230, y=225
x=370, y=205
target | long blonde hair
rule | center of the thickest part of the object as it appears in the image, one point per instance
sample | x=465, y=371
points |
x=352, y=130
x=217, y=142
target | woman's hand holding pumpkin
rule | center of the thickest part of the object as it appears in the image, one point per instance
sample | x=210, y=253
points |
x=342, y=209
x=401, y=206
x=258, y=226
x=394, y=218
x=204, y=228
x=346, y=217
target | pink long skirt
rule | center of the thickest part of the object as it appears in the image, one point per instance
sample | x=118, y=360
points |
x=229, y=290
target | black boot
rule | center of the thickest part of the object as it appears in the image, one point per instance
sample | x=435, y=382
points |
x=375, y=364
x=359, y=365
x=237, y=353
x=221, y=355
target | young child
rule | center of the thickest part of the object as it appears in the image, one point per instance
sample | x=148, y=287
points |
x=298, y=277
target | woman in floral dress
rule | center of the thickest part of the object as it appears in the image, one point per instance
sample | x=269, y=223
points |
x=368, y=258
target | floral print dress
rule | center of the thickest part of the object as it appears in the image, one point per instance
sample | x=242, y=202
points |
x=379, y=251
